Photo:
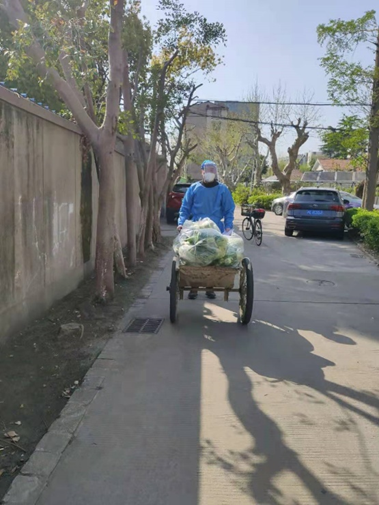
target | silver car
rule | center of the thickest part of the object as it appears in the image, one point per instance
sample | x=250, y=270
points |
x=352, y=201
x=280, y=204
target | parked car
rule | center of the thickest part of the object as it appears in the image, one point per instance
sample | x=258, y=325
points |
x=352, y=201
x=174, y=201
x=316, y=209
x=279, y=204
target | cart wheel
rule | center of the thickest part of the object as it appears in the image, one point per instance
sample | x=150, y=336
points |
x=247, y=229
x=246, y=292
x=174, y=293
x=258, y=232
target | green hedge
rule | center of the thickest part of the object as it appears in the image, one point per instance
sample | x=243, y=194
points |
x=257, y=197
x=350, y=213
x=367, y=225
x=263, y=201
x=241, y=194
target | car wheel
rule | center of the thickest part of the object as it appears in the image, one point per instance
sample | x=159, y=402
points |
x=288, y=232
x=278, y=209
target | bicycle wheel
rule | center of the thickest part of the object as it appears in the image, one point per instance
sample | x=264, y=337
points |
x=246, y=292
x=174, y=293
x=247, y=228
x=258, y=232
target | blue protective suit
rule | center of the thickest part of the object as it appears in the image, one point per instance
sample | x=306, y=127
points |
x=215, y=202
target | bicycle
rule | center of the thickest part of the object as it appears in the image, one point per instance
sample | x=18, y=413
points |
x=252, y=224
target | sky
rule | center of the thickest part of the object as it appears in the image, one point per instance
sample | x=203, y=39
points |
x=271, y=41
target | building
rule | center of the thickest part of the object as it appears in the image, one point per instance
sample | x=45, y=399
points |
x=204, y=115
x=334, y=165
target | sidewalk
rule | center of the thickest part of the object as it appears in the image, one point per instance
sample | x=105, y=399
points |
x=210, y=413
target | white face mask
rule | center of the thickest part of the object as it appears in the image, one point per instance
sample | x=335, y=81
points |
x=209, y=177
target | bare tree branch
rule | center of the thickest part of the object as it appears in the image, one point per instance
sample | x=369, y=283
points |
x=64, y=60
x=81, y=13
x=136, y=77
x=115, y=64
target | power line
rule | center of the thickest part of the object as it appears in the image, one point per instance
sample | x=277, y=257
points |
x=312, y=104
x=249, y=121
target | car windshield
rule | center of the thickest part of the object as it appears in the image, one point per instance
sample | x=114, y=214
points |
x=316, y=196
x=180, y=189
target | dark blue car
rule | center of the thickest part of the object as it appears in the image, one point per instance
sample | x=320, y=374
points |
x=318, y=210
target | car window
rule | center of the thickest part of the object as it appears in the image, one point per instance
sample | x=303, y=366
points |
x=180, y=189
x=347, y=196
x=317, y=196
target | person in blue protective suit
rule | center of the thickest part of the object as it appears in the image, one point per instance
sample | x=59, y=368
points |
x=208, y=198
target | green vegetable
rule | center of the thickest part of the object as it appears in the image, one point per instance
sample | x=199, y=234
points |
x=202, y=244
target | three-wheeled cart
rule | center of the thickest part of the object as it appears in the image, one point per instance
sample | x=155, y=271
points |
x=219, y=279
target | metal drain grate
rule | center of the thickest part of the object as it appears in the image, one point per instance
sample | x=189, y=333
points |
x=144, y=326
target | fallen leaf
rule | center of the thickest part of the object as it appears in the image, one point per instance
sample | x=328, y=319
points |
x=18, y=423
x=1, y=471
x=11, y=434
x=15, y=439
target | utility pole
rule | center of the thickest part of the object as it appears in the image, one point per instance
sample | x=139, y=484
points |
x=372, y=168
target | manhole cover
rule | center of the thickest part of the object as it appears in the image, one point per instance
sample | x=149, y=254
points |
x=144, y=326
x=321, y=282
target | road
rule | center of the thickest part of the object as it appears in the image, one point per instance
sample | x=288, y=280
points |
x=284, y=412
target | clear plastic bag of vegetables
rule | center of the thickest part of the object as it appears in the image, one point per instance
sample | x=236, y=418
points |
x=234, y=252
x=202, y=244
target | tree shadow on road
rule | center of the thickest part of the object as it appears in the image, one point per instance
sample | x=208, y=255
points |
x=282, y=355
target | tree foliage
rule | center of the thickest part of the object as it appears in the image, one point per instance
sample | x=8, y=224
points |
x=348, y=140
x=355, y=82
x=349, y=80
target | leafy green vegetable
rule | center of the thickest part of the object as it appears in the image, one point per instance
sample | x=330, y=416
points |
x=202, y=244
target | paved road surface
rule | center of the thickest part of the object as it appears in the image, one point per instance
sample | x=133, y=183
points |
x=284, y=412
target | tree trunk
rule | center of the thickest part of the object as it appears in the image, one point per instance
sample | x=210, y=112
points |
x=157, y=234
x=372, y=172
x=372, y=169
x=142, y=233
x=105, y=222
x=150, y=221
x=131, y=170
x=258, y=175
x=286, y=186
x=132, y=201
x=118, y=254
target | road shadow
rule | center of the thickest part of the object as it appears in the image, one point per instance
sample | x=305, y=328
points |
x=318, y=236
x=281, y=355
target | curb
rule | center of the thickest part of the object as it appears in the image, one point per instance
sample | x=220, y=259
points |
x=368, y=253
x=372, y=257
x=28, y=486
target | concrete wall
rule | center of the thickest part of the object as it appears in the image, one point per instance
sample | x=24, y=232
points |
x=48, y=209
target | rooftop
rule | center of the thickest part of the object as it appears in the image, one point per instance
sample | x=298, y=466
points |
x=329, y=165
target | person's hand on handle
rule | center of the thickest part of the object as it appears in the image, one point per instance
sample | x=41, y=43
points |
x=179, y=228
